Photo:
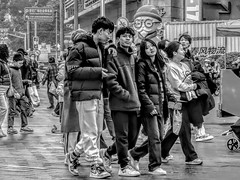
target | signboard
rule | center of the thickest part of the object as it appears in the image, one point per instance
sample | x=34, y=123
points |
x=122, y=22
x=39, y=14
x=90, y=3
x=35, y=42
x=193, y=10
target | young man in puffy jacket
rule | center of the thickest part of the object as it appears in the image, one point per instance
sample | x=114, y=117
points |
x=84, y=84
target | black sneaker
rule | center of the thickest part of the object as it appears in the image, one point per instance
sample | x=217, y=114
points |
x=26, y=129
x=72, y=164
x=98, y=172
x=50, y=107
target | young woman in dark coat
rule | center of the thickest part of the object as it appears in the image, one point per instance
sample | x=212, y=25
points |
x=153, y=97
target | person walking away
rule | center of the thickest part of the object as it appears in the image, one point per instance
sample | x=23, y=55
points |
x=19, y=99
x=124, y=103
x=85, y=74
x=4, y=85
x=50, y=77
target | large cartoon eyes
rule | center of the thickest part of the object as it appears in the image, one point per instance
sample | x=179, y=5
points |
x=138, y=23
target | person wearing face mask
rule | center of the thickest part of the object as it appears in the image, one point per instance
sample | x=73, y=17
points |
x=153, y=95
x=19, y=99
x=179, y=80
x=195, y=67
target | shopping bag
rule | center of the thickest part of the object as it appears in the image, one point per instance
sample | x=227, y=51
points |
x=52, y=88
x=176, y=108
x=33, y=94
x=177, y=121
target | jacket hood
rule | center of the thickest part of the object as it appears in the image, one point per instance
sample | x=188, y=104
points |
x=87, y=38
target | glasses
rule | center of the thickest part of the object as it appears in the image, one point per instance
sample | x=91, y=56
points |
x=147, y=22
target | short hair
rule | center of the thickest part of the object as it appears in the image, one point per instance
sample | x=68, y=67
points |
x=102, y=22
x=4, y=52
x=162, y=44
x=124, y=30
x=187, y=37
x=172, y=47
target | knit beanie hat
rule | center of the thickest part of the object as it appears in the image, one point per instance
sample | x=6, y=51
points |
x=18, y=57
x=76, y=35
x=148, y=10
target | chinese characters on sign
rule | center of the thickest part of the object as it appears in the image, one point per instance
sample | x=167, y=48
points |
x=207, y=51
x=41, y=14
x=89, y=3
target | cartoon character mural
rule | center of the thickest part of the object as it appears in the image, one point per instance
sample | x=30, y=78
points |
x=148, y=23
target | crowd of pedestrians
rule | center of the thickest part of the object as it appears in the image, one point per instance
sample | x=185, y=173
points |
x=98, y=84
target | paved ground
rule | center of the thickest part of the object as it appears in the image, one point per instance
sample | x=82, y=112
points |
x=40, y=155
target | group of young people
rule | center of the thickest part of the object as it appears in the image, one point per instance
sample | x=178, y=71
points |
x=139, y=91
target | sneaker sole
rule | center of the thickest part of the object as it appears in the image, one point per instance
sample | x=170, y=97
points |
x=100, y=177
x=205, y=139
x=189, y=163
x=125, y=175
x=159, y=174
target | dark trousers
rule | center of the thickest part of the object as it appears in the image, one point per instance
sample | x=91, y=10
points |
x=23, y=105
x=108, y=118
x=127, y=127
x=57, y=109
x=60, y=110
x=51, y=97
x=153, y=126
x=184, y=135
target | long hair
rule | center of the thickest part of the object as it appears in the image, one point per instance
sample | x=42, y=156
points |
x=143, y=55
x=4, y=52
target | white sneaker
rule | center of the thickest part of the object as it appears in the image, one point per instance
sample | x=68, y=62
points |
x=128, y=171
x=168, y=158
x=133, y=163
x=205, y=137
x=72, y=165
x=158, y=171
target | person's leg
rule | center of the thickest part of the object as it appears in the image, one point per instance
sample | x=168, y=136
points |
x=11, y=113
x=50, y=98
x=133, y=129
x=120, y=120
x=169, y=139
x=108, y=119
x=185, y=136
x=140, y=151
x=3, y=112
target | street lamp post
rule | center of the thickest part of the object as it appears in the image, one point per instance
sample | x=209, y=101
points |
x=56, y=16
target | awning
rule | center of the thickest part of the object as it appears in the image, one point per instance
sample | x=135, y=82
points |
x=230, y=29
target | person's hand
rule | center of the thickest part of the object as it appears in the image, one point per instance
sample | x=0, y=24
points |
x=154, y=112
x=29, y=82
x=104, y=72
x=112, y=51
x=17, y=96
